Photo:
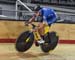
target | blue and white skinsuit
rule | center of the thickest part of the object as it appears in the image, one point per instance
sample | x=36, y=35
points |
x=48, y=15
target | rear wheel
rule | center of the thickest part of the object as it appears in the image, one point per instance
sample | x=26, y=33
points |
x=51, y=41
x=24, y=41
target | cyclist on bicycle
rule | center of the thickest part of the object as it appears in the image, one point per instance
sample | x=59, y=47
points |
x=46, y=16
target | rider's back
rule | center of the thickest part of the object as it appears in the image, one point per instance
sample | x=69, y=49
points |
x=47, y=11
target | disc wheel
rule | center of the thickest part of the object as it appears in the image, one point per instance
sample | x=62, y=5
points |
x=24, y=41
x=51, y=41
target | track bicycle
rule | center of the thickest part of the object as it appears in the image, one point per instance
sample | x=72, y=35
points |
x=27, y=38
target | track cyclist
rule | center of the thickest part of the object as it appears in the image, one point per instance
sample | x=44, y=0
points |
x=45, y=15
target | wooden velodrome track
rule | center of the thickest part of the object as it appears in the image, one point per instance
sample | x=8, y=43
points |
x=10, y=30
x=61, y=52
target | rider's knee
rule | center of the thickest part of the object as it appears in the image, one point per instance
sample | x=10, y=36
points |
x=41, y=25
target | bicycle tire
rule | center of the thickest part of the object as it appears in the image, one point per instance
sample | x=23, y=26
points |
x=52, y=40
x=21, y=44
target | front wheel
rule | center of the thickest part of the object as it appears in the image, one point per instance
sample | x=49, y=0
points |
x=24, y=41
x=51, y=41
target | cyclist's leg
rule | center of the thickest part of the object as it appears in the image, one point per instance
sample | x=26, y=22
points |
x=41, y=32
x=41, y=28
x=37, y=34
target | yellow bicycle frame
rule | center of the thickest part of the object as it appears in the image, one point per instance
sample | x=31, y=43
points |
x=37, y=35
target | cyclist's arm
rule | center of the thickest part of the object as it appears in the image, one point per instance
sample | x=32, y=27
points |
x=33, y=18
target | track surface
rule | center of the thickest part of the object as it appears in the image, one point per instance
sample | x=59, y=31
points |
x=62, y=52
